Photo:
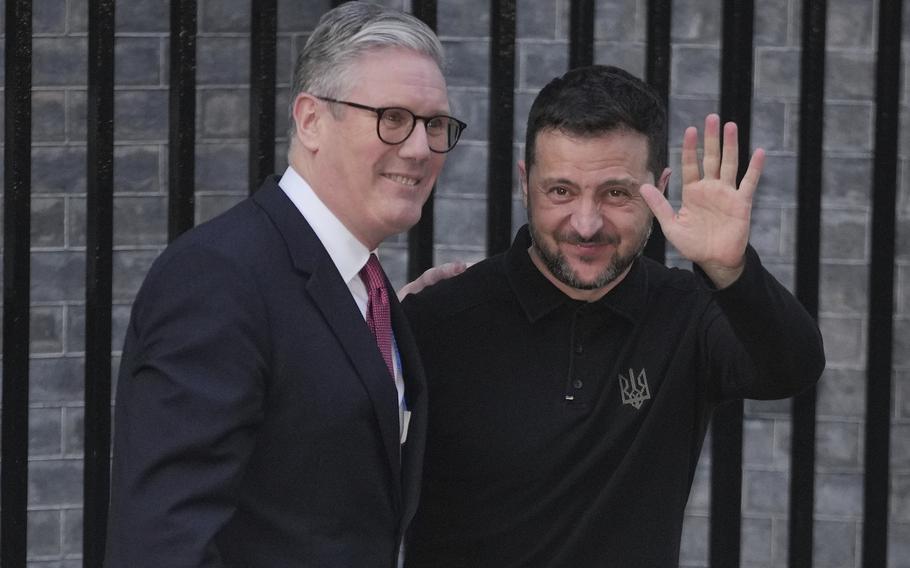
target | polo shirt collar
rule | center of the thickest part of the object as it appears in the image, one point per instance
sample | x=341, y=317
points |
x=538, y=296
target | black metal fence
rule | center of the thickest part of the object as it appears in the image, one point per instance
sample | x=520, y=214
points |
x=736, y=104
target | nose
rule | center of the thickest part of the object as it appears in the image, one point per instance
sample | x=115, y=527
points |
x=587, y=219
x=416, y=146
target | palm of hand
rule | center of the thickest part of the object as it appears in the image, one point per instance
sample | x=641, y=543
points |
x=712, y=223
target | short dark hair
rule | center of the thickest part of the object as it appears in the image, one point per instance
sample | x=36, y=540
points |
x=595, y=100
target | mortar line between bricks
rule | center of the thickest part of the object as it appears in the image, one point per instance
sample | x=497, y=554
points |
x=840, y=419
x=46, y=459
x=840, y=471
x=60, y=404
x=225, y=35
x=78, y=354
x=127, y=34
x=200, y=87
x=829, y=517
x=459, y=248
x=677, y=46
x=119, y=248
x=463, y=39
x=218, y=141
x=58, y=144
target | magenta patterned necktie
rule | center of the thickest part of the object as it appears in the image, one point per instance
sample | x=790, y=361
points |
x=378, y=316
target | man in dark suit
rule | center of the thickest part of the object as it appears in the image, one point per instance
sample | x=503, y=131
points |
x=266, y=413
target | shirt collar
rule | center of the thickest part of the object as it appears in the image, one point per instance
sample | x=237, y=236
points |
x=348, y=253
x=538, y=296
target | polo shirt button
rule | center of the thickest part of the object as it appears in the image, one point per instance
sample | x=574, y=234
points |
x=577, y=383
x=579, y=349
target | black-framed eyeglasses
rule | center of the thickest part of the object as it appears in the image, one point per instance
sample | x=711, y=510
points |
x=395, y=124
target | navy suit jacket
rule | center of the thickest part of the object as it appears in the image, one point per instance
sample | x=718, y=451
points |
x=256, y=423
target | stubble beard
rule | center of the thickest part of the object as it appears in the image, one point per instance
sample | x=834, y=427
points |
x=560, y=268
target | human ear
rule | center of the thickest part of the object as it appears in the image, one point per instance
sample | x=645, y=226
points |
x=523, y=178
x=664, y=180
x=308, y=121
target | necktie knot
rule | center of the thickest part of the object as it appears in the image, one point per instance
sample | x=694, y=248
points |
x=372, y=275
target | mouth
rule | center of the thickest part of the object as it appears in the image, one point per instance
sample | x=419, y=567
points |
x=408, y=181
x=592, y=243
x=590, y=248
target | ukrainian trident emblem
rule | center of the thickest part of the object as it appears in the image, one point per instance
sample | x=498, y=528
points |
x=634, y=388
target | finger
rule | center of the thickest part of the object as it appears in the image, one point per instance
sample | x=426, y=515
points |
x=750, y=180
x=443, y=271
x=432, y=276
x=451, y=269
x=712, y=147
x=730, y=161
x=690, y=156
x=658, y=204
x=410, y=288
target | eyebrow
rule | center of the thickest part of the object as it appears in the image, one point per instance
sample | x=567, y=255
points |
x=437, y=112
x=612, y=182
x=624, y=182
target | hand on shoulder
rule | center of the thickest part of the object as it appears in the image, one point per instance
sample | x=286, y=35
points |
x=432, y=276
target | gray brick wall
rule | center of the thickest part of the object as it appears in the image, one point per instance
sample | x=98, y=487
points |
x=58, y=221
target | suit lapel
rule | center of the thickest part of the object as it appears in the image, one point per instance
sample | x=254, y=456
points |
x=332, y=297
x=339, y=310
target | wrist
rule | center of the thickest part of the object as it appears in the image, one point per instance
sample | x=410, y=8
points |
x=723, y=276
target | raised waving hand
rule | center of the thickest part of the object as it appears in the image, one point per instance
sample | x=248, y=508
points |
x=711, y=227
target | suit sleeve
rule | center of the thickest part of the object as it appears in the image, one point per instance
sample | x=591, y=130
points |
x=759, y=340
x=189, y=403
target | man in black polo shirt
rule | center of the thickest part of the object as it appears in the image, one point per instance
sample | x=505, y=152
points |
x=570, y=379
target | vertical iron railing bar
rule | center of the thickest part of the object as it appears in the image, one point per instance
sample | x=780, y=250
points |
x=808, y=251
x=17, y=149
x=263, y=54
x=727, y=422
x=581, y=33
x=421, y=235
x=880, y=354
x=98, y=279
x=657, y=74
x=182, y=119
x=501, y=119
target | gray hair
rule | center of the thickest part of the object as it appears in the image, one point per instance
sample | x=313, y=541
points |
x=347, y=32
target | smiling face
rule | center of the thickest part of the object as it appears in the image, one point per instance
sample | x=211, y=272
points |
x=375, y=189
x=587, y=219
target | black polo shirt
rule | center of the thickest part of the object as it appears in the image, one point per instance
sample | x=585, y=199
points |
x=566, y=433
